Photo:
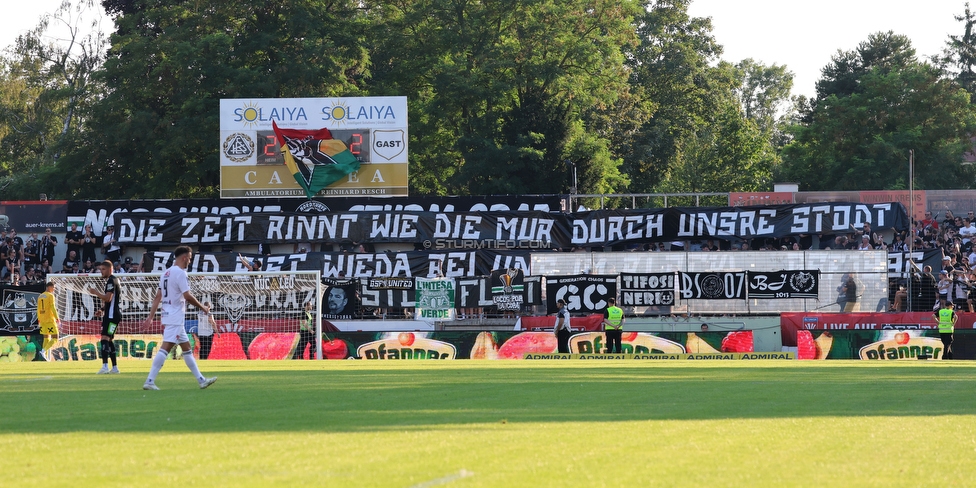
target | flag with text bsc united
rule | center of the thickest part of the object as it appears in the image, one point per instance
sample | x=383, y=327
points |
x=315, y=159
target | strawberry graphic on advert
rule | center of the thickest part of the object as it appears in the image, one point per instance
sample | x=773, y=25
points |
x=738, y=341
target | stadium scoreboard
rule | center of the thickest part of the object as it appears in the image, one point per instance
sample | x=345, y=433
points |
x=374, y=129
x=357, y=141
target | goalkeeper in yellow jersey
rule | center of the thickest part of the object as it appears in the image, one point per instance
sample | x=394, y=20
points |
x=47, y=316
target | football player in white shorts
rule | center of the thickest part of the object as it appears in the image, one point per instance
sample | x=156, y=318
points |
x=173, y=294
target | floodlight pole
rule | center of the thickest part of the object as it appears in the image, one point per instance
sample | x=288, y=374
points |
x=572, y=190
x=911, y=224
x=575, y=181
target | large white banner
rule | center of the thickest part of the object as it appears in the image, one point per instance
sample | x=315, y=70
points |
x=373, y=129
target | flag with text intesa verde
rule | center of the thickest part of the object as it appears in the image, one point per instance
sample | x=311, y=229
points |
x=315, y=159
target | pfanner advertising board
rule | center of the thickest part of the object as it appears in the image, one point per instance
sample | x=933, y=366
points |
x=304, y=147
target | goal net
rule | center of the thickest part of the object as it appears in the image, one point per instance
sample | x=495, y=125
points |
x=257, y=315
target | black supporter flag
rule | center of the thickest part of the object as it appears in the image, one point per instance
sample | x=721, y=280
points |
x=583, y=294
x=507, y=289
x=784, y=284
x=647, y=289
x=713, y=286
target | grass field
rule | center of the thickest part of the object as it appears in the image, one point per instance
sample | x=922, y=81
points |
x=492, y=423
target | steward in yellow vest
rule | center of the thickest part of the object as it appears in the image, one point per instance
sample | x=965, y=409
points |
x=613, y=326
x=947, y=323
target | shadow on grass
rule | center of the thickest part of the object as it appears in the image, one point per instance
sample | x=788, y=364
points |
x=353, y=400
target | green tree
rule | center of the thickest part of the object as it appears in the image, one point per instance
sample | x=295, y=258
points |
x=670, y=69
x=763, y=92
x=46, y=82
x=504, y=90
x=708, y=124
x=153, y=133
x=959, y=55
x=875, y=104
x=728, y=152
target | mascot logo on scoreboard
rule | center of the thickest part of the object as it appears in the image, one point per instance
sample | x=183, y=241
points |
x=239, y=147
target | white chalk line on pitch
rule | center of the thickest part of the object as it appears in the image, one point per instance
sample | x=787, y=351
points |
x=18, y=379
x=444, y=480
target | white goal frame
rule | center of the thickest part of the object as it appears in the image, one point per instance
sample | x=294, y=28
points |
x=78, y=308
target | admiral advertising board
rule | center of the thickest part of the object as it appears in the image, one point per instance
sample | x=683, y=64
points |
x=372, y=129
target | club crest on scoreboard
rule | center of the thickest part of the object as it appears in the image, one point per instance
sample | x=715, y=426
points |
x=239, y=147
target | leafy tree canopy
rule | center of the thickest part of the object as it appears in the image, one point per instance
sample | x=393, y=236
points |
x=874, y=105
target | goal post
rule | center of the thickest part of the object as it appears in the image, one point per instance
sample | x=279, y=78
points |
x=262, y=304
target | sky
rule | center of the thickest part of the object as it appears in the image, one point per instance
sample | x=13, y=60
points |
x=800, y=34
x=803, y=35
x=27, y=14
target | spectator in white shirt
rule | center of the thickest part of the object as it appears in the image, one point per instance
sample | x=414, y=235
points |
x=944, y=284
x=865, y=244
x=967, y=230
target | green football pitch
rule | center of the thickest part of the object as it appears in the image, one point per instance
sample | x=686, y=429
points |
x=492, y=423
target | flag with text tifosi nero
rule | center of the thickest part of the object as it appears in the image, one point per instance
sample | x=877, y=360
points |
x=647, y=289
x=315, y=159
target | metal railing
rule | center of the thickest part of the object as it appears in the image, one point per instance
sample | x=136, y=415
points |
x=721, y=199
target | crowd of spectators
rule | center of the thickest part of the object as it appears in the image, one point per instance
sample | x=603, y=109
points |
x=28, y=262
x=955, y=280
